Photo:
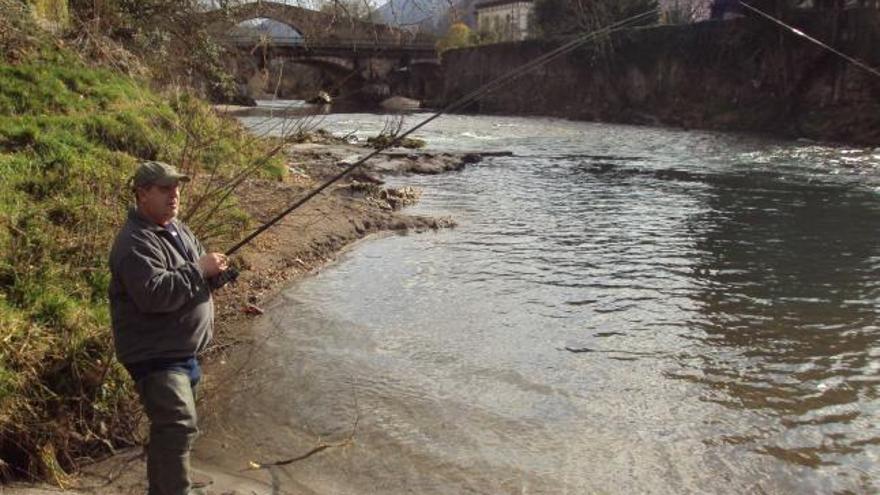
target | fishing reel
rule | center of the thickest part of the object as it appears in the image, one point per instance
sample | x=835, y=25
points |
x=230, y=275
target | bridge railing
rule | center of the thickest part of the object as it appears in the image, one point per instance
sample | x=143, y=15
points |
x=331, y=43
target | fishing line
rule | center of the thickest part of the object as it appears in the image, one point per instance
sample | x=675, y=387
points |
x=460, y=103
x=802, y=34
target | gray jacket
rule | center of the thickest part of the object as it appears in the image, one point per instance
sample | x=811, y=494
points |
x=160, y=302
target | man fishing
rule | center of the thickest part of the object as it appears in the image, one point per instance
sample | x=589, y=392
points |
x=162, y=316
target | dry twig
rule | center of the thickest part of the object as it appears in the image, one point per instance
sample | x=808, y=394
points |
x=253, y=465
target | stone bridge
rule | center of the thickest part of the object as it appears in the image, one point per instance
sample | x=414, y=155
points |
x=311, y=24
x=374, y=60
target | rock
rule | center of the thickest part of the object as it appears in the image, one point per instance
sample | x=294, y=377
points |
x=433, y=167
x=242, y=100
x=402, y=196
x=362, y=175
x=471, y=158
x=252, y=309
x=579, y=349
x=322, y=98
x=376, y=91
x=385, y=141
x=400, y=103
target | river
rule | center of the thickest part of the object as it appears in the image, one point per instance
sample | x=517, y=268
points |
x=620, y=310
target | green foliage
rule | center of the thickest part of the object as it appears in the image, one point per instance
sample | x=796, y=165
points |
x=168, y=37
x=458, y=36
x=70, y=138
x=385, y=140
x=16, y=28
x=391, y=132
x=52, y=10
x=44, y=86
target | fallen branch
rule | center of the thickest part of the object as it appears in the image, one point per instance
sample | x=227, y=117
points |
x=253, y=465
x=319, y=448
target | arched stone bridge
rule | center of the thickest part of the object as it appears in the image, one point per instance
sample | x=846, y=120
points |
x=311, y=24
x=357, y=52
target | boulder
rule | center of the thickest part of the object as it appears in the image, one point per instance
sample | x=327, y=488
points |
x=322, y=98
x=400, y=103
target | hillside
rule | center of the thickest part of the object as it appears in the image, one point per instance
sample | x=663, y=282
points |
x=73, y=129
x=432, y=16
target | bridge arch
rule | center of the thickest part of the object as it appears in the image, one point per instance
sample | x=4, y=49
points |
x=265, y=26
x=302, y=77
x=309, y=23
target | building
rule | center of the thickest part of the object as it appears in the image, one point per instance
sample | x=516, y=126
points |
x=683, y=11
x=504, y=20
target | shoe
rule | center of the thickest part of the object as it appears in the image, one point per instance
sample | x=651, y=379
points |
x=199, y=480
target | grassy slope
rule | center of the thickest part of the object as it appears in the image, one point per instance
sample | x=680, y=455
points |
x=70, y=136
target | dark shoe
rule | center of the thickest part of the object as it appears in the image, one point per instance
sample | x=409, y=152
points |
x=200, y=485
x=200, y=481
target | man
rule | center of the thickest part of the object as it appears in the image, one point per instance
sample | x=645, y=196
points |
x=162, y=314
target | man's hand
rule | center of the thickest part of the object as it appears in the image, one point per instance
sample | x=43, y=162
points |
x=213, y=263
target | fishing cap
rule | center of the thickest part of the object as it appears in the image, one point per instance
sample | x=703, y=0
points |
x=159, y=173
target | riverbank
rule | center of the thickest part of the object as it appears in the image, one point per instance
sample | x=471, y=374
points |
x=298, y=246
x=743, y=75
x=72, y=134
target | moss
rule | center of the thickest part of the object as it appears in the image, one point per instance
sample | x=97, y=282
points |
x=42, y=86
x=384, y=140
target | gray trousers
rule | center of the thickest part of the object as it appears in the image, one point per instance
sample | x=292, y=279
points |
x=169, y=400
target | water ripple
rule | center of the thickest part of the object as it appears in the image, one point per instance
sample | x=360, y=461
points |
x=706, y=298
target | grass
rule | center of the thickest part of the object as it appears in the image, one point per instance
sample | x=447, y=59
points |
x=70, y=137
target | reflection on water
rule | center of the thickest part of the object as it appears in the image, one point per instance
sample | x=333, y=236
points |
x=621, y=310
x=788, y=305
x=300, y=109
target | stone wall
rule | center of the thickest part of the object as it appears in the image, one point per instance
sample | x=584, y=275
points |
x=735, y=75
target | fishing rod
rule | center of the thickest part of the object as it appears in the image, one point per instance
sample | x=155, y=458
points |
x=457, y=104
x=802, y=34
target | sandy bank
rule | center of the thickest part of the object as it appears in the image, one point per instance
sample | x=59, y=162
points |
x=226, y=109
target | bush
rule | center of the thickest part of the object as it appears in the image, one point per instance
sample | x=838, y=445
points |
x=458, y=36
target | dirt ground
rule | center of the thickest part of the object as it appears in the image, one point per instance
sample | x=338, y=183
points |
x=299, y=245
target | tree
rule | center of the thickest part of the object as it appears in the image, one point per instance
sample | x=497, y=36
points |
x=563, y=18
x=348, y=9
x=458, y=36
x=171, y=37
x=683, y=11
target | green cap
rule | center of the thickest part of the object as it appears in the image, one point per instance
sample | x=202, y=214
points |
x=159, y=173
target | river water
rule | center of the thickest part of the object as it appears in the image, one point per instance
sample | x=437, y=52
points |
x=620, y=310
